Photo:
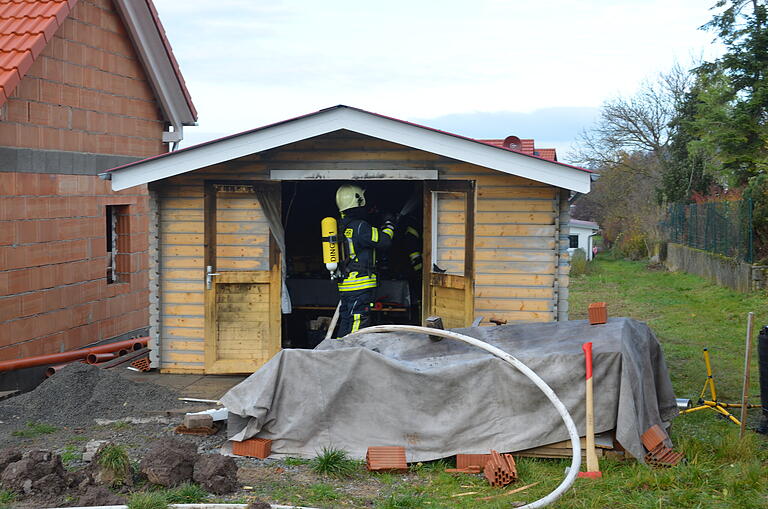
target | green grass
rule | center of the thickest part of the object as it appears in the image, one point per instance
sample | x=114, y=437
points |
x=187, y=493
x=334, y=462
x=71, y=454
x=719, y=471
x=6, y=497
x=114, y=458
x=148, y=500
x=35, y=429
x=293, y=462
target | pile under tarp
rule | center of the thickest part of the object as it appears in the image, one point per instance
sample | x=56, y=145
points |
x=443, y=398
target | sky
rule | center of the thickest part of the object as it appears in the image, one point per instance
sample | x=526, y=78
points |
x=480, y=68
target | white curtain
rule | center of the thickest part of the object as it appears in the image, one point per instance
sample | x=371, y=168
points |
x=269, y=204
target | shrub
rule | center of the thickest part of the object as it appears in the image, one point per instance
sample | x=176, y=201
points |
x=579, y=263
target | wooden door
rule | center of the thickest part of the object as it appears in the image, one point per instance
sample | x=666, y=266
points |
x=242, y=288
x=449, y=238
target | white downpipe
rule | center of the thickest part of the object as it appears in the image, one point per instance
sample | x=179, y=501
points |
x=541, y=384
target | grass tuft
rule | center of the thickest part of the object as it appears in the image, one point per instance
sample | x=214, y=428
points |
x=402, y=501
x=35, y=429
x=114, y=458
x=294, y=462
x=71, y=454
x=7, y=497
x=148, y=500
x=187, y=493
x=334, y=462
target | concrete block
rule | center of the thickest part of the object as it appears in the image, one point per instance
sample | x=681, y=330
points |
x=192, y=421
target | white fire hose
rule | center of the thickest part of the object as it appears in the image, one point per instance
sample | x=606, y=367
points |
x=541, y=384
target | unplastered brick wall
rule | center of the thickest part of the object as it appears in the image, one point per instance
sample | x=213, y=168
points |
x=86, y=92
x=54, y=294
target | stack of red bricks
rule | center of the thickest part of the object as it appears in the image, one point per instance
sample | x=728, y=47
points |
x=659, y=455
x=500, y=469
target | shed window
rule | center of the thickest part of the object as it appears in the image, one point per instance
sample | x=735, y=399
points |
x=117, y=229
x=573, y=241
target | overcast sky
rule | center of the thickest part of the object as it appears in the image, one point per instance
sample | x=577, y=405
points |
x=481, y=68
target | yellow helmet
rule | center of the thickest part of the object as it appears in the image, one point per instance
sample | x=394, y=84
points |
x=349, y=197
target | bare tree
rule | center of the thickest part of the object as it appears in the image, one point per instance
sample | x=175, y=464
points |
x=640, y=123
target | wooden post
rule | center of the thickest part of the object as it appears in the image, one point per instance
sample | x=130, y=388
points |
x=745, y=385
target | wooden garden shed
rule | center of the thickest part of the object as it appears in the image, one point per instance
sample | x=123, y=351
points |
x=236, y=270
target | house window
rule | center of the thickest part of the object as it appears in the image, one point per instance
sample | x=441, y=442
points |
x=117, y=228
x=573, y=241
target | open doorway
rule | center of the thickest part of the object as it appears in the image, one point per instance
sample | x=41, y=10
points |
x=314, y=295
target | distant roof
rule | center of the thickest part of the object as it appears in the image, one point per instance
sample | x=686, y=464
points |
x=340, y=117
x=585, y=224
x=27, y=26
x=527, y=146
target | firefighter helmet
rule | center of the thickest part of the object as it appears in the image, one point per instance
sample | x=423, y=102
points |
x=349, y=196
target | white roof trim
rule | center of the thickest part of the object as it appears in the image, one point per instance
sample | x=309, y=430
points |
x=334, y=119
x=160, y=69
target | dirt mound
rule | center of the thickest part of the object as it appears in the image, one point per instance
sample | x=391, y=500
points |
x=170, y=462
x=37, y=472
x=100, y=496
x=80, y=393
x=216, y=473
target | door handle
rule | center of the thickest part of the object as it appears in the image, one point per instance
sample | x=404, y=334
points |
x=209, y=276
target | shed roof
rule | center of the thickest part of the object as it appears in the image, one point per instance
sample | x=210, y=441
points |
x=584, y=224
x=353, y=119
x=27, y=26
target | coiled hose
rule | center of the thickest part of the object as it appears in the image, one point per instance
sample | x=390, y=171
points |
x=541, y=384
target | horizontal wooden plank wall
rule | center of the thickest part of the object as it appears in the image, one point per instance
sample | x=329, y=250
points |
x=242, y=244
x=515, y=245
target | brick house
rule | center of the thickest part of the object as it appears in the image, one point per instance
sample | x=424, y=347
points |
x=84, y=86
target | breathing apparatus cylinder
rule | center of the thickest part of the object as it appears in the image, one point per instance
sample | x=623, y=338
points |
x=330, y=236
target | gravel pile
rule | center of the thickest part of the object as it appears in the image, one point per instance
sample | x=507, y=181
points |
x=80, y=393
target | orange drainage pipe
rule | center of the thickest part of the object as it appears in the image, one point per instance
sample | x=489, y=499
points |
x=52, y=370
x=95, y=358
x=73, y=355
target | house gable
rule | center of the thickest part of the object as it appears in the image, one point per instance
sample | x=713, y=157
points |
x=352, y=119
x=73, y=80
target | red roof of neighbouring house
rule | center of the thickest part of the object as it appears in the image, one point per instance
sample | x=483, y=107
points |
x=527, y=147
x=26, y=26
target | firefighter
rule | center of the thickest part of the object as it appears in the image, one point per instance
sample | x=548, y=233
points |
x=413, y=245
x=361, y=240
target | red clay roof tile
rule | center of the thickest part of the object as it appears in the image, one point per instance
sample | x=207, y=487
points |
x=528, y=147
x=26, y=26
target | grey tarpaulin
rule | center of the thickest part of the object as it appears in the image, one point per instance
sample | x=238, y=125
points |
x=442, y=398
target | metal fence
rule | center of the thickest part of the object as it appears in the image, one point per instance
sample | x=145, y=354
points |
x=718, y=227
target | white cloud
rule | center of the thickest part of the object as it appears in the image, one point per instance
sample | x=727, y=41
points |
x=248, y=63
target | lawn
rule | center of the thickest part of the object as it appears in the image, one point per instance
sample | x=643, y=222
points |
x=720, y=471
